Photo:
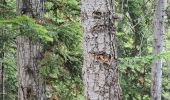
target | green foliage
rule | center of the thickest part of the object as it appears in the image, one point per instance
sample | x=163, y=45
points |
x=135, y=75
x=65, y=60
x=28, y=27
x=62, y=59
x=134, y=41
x=10, y=76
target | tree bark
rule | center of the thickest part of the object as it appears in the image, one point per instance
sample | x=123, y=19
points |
x=157, y=49
x=2, y=73
x=100, y=69
x=31, y=86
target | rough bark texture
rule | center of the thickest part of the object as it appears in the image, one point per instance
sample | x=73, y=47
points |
x=100, y=70
x=32, y=8
x=31, y=87
x=157, y=49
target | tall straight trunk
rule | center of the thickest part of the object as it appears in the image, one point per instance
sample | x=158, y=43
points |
x=1, y=74
x=2, y=88
x=157, y=49
x=100, y=69
x=31, y=86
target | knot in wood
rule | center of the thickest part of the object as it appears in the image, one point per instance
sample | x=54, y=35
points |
x=102, y=58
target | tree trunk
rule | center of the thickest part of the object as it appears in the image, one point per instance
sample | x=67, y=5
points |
x=157, y=49
x=100, y=69
x=31, y=86
x=2, y=87
x=1, y=75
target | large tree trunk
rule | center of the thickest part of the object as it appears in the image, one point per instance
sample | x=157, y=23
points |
x=100, y=70
x=31, y=86
x=30, y=83
x=157, y=49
